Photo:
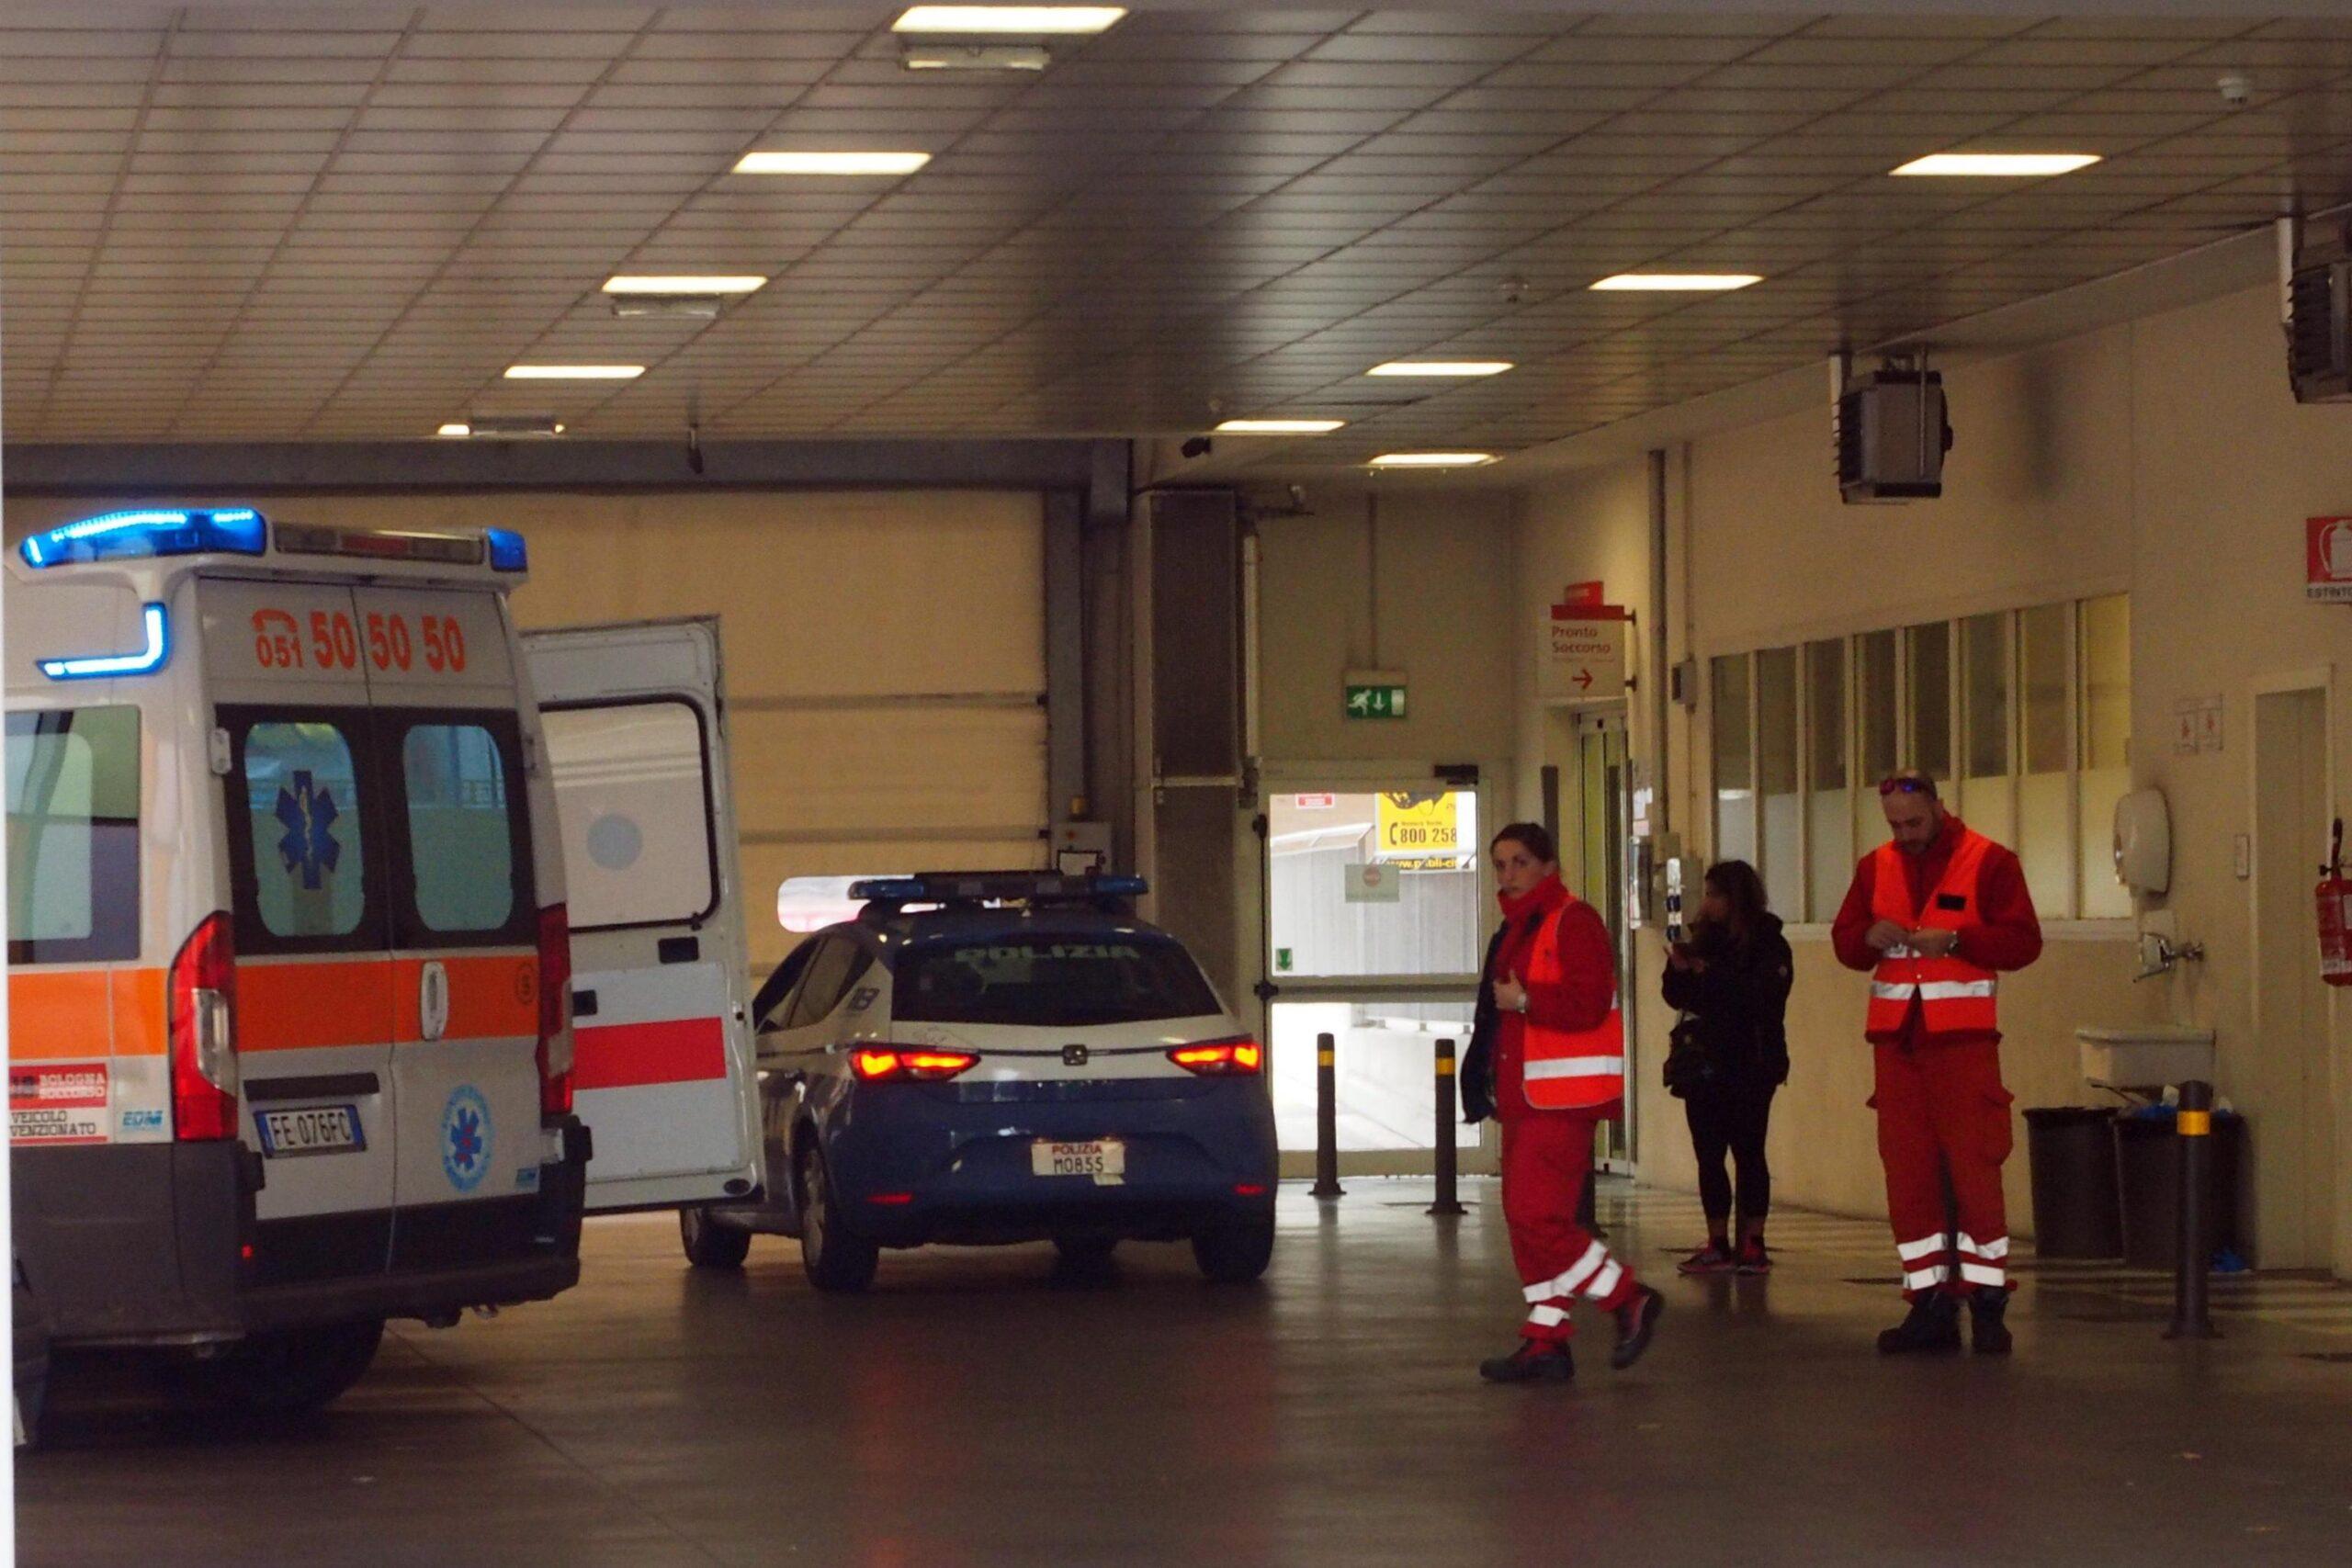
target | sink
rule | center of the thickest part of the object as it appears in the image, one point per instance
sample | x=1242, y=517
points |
x=2145, y=1055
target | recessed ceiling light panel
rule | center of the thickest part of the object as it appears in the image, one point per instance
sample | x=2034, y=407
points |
x=1430, y=460
x=684, y=283
x=1021, y=21
x=835, y=163
x=1279, y=426
x=1441, y=368
x=1998, y=166
x=1675, y=282
x=574, y=372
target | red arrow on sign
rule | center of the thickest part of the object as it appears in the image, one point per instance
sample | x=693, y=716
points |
x=1583, y=679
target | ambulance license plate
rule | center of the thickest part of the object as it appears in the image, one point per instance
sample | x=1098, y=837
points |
x=320, y=1130
x=1101, y=1159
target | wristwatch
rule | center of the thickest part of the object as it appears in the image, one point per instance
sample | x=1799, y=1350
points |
x=1522, y=1003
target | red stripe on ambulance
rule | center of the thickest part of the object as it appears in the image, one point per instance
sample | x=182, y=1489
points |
x=630, y=1055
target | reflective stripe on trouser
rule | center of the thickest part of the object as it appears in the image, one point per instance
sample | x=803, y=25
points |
x=1546, y=1158
x=1943, y=1115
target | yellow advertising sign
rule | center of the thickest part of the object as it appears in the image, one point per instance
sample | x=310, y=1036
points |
x=1420, y=830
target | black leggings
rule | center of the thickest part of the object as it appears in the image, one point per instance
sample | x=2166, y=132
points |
x=1732, y=1121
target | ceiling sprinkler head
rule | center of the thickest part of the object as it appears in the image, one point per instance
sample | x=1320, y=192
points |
x=1514, y=291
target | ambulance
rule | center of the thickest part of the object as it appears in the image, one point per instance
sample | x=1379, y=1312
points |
x=290, y=1044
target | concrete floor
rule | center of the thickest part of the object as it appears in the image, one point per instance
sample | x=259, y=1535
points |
x=976, y=1409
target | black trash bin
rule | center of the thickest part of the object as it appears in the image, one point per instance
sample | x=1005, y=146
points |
x=2147, y=1160
x=2078, y=1206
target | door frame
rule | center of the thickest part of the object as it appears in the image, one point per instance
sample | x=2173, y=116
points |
x=1613, y=715
x=2319, y=678
x=1479, y=1152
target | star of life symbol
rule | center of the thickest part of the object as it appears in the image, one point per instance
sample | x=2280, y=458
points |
x=308, y=813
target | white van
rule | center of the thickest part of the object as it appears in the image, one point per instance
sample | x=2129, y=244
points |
x=290, y=1051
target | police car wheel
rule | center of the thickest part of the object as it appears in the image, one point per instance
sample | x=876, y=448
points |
x=1237, y=1252
x=834, y=1260
x=710, y=1245
x=289, y=1371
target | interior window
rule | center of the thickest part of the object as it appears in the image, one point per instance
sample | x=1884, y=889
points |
x=462, y=828
x=634, y=807
x=827, y=972
x=72, y=835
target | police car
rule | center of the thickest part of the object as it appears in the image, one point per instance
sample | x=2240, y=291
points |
x=1002, y=1058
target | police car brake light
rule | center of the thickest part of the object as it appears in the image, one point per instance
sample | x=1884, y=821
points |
x=380, y=544
x=879, y=1064
x=148, y=532
x=1221, y=1058
x=146, y=661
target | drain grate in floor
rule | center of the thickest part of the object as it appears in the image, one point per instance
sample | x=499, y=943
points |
x=1875, y=1279
x=2340, y=1358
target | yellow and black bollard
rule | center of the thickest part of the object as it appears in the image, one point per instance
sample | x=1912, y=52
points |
x=1327, y=1119
x=1447, y=1202
x=2193, y=1124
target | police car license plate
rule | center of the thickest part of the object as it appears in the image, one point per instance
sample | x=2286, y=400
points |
x=320, y=1130
x=1104, y=1159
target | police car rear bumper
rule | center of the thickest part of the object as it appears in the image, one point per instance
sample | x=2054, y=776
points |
x=915, y=1163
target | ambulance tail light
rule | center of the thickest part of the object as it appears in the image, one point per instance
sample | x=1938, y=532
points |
x=555, y=1013
x=203, y=1011
x=901, y=1064
x=1240, y=1057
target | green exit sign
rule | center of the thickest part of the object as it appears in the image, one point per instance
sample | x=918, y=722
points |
x=1375, y=702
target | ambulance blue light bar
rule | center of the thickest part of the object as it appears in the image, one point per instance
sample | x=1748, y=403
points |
x=146, y=661
x=127, y=535
x=993, y=887
x=507, y=551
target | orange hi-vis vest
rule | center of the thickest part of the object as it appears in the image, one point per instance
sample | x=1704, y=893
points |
x=1955, y=995
x=1570, y=1069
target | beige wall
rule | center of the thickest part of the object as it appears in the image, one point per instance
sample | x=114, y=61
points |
x=2165, y=457
x=1418, y=582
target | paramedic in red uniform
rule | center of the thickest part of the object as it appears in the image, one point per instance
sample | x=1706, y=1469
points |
x=1547, y=1056
x=1935, y=916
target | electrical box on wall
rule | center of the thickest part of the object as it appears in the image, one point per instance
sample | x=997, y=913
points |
x=1893, y=433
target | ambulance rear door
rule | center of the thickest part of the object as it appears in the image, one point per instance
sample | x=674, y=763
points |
x=634, y=723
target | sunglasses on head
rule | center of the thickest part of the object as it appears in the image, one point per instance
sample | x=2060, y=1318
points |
x=1898, y=785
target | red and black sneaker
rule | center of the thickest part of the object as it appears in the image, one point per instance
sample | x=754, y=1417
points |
x=1754, y=1259
x=1708, y=1260
x=1535, y=1360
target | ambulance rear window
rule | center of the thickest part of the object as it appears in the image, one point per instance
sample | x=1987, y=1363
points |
x=72, y=835
x=460, y=828
x=302, y=801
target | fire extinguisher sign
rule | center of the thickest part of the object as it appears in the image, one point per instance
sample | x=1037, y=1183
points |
x=2328, y=559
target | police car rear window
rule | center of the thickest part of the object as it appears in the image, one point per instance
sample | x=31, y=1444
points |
x=1062, y=981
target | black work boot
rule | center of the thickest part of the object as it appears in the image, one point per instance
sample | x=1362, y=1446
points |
x=1988, y=1305
x=1934, y=1324
x=1535, y=1360
x=1636, y=1321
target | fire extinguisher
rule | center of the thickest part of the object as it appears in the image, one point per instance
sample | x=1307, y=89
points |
x=2336, y=914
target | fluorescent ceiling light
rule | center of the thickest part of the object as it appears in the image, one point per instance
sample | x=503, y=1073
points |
x=1676, y=282
x=455, y=428
x=1279, y=426
x=1430, y=460
x=1024, y=21
x=2013, y=165
x=504, y=425
x=684, y=283
x=574, y=372
x=831, y=163
x=975, y=56
x=1441, y=368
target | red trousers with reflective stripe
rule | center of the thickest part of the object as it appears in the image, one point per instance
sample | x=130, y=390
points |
x=1943, y=1113
x=1547, y=1158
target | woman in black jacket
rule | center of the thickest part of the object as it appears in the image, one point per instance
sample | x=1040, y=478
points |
x=1732, y=978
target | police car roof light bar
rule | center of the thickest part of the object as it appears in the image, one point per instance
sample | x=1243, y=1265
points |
x=146, y=661
x=995, y=887
x=149, y=532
